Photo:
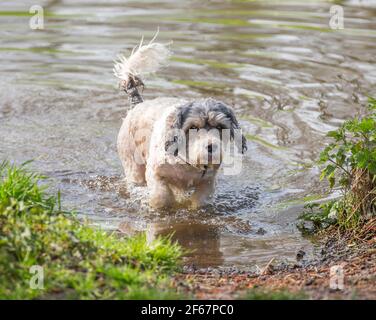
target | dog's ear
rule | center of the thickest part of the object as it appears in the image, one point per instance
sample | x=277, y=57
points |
x=174, y=126
x=181, y=115
x=234, y=125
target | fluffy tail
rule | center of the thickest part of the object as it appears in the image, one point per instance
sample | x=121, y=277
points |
x=144, y=59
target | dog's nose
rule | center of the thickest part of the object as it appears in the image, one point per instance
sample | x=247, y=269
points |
x=211, y=148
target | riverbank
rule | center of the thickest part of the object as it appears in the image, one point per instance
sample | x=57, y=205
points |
x=47, y=253
x=308, y=280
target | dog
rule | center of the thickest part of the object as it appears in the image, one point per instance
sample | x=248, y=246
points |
x=172, y=145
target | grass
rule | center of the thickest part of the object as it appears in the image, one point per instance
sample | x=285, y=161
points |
x=79, y=262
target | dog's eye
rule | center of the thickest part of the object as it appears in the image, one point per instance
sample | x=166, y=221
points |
x=193, y=128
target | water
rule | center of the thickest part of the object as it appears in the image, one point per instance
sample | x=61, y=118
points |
x=289, y=77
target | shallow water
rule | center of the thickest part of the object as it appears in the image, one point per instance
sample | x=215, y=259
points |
x=289, y=77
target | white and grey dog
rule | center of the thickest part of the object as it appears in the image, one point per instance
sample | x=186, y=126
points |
x=173, y=145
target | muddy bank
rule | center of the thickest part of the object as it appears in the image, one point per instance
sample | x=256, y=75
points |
x=300, y=280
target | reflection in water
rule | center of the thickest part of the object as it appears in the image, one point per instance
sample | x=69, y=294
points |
x=202, y=241
x=289, y=77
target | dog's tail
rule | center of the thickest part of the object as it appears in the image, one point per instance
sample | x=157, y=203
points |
x=144, y=59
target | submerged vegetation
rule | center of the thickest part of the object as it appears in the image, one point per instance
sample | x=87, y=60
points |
x=350, y=166
x=78, y=262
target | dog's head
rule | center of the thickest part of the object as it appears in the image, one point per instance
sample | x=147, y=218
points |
x=200, y=130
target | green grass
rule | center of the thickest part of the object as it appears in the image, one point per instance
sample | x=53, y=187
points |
x=79, y=262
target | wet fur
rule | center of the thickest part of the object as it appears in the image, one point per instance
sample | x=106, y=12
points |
x=148, y=140
x=145, y=136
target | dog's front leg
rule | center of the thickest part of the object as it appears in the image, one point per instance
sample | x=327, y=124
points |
x=202, y=194
x=161, y=196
